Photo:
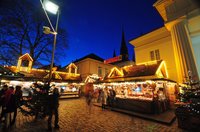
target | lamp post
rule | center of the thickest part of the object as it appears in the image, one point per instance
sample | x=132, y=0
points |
x=53, y=8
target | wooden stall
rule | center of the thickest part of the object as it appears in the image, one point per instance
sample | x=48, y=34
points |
x=142, y=88
x=67, y=79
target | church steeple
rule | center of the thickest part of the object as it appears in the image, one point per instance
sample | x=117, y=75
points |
x=114, y=54
x=124, y=49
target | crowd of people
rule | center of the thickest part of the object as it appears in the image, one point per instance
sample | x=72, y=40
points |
x=44, y=101
x=10, y=99
x=105, y=96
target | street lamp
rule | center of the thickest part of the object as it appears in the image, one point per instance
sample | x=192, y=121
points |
x=53, y=8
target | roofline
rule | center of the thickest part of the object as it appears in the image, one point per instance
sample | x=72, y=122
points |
x=26, y=54
x=87, y=56
x=158, y=2
x=146, y=33
x=76, y=63
x=137, y=79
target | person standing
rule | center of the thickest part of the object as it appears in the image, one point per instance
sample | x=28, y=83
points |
x=112, y=97
x=53, y=108
x=104, y=97
x=18, y=98
x=2, y=100
x=9, y=105
x=89, y=100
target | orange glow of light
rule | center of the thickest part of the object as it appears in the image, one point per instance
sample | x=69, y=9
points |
x=148, y=63
x=127, y=66
x=27, y=54
x=42, y=70
x=163, y=64
x=57, y=76
x=117, y=70
x=72, y=65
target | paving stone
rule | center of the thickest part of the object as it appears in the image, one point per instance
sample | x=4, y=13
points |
x=74, y=116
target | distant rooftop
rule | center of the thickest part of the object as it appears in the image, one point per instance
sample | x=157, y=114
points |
x=47, y=67
x=91, y=56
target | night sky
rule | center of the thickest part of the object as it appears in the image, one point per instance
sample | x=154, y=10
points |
x=95, y=26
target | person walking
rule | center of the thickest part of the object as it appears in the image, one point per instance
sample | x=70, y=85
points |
x=89, y=100
x=53, y=108
x=104, y=97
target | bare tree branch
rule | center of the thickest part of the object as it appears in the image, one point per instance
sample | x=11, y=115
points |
x=21, y=29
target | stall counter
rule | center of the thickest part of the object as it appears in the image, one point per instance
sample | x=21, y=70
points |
x=142, y=106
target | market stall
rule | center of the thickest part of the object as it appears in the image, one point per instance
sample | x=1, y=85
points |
x=142, y=88
x=67, y=80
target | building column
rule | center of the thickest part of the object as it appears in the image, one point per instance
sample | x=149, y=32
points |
x=183, y=50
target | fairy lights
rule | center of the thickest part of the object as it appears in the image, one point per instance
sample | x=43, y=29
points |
x=43, y=73
x=162, y=65
x=120, y=73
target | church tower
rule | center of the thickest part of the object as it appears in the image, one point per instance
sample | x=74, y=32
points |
x=114, y=53
x=123, y=48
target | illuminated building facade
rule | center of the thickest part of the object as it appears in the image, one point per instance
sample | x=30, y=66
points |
x=92, y=65
x=177, y=43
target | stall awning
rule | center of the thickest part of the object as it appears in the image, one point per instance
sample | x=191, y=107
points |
x=6, y=73
x=145, y=71
x=42, y=75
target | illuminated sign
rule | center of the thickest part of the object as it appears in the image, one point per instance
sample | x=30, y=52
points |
x=114, y=59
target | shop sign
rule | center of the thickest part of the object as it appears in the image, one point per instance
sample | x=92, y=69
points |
x=114, y=59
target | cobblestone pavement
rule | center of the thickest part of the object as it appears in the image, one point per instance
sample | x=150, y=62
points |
x=75, y=117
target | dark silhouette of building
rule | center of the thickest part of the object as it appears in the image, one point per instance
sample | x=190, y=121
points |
x=124, y=49
x=114, y=53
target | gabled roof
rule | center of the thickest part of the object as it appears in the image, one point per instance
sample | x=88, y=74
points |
x=148, y=37
x=26, y=57
x=72, y=65
x=152, y=70
x=141, y=70
x=91, y=56
x=115, y=72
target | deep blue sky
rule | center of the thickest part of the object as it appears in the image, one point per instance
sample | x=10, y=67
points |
x=95, y=26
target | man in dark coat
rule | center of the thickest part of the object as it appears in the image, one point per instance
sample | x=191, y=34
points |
x=53, y=107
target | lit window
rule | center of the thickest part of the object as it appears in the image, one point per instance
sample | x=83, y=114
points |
x=99, y=71
x=106, y=71
x=152, y=55
x=157, y=53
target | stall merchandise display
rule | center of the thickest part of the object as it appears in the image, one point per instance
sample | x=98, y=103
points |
x=146, y=96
